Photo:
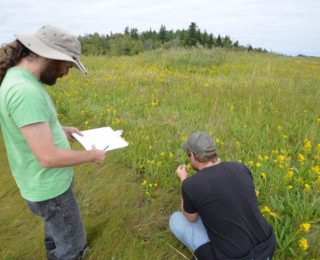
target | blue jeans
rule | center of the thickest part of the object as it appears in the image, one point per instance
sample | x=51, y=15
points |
x=65, y=237
x=191, y=234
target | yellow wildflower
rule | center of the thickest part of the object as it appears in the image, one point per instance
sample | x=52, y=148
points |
x=303, y=244
x=258, y=165
x=281, y=158
x=260, y=158
x=257, y=193
x=316, y=169
x=155, y=185
x=289, y=187
x=162, y=154
x=307, y=145
x=289, y=175
x=267, y=210
x=300, y=157
x=144, y=183
x=155, y=101
x=263, y=176
x=272, y=214
x=305, y=227
x=307, y=187
x=318, y=147
x=170, y=155
x=250, y=163
x=150, y=185
x=117, y=121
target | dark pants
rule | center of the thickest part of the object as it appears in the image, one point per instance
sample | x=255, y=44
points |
x=65, y=237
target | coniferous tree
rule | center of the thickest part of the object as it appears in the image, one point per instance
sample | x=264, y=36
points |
x=181, y=35
x=163, y=34
x=205, y=39
x=211, y=42
x=134, y=34
x=227, y=41
x=149, y=35
x=219, y=42
x=192, y=35
x=199, y=37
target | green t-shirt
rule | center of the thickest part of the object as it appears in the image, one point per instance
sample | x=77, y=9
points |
x=24, y=101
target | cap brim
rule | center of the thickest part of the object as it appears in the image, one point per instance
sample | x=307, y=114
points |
x=37, y=46
x=184, y=146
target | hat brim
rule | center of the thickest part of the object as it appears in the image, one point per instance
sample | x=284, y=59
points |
x=39, y=47
x=184, y=146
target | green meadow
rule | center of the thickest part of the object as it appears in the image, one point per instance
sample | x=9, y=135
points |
x=262, y=109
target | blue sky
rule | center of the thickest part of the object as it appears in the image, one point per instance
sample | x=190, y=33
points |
x=288, y=26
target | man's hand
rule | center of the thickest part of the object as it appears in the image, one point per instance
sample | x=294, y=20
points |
x=97, y=155
x=182, y=172
x=68, y=132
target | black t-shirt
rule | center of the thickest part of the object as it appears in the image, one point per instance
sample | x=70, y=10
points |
x=225, y=198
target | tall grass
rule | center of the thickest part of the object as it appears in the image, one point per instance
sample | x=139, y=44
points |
x=262, y=109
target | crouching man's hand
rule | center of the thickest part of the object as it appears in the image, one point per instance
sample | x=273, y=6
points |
x=182, y=172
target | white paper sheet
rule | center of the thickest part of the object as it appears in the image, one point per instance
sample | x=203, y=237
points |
x=104, y=138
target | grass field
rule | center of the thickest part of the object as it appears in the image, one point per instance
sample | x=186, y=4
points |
x=262, y=109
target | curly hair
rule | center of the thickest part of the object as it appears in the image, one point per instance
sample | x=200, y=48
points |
x=10, y=55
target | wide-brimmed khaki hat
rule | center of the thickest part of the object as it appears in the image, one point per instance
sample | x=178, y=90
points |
x=54, y=43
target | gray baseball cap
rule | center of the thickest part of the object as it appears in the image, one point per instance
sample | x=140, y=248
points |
x=54, y=43
x=201, y=144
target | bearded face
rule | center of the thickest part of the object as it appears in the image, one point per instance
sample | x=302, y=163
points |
x=53, y=70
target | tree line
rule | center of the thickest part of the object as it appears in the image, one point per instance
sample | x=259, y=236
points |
x=132, y=42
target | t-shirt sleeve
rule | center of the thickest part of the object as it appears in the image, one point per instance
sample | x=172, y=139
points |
x=27, y=105
x=246, y=170
x=188, y=205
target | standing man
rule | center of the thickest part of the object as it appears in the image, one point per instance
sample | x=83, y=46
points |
x=37, y=145
x=219, y=217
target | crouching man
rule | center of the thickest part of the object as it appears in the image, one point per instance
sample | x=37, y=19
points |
x=219, y=217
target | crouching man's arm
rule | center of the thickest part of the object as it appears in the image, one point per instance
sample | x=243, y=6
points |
x=182, y=175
